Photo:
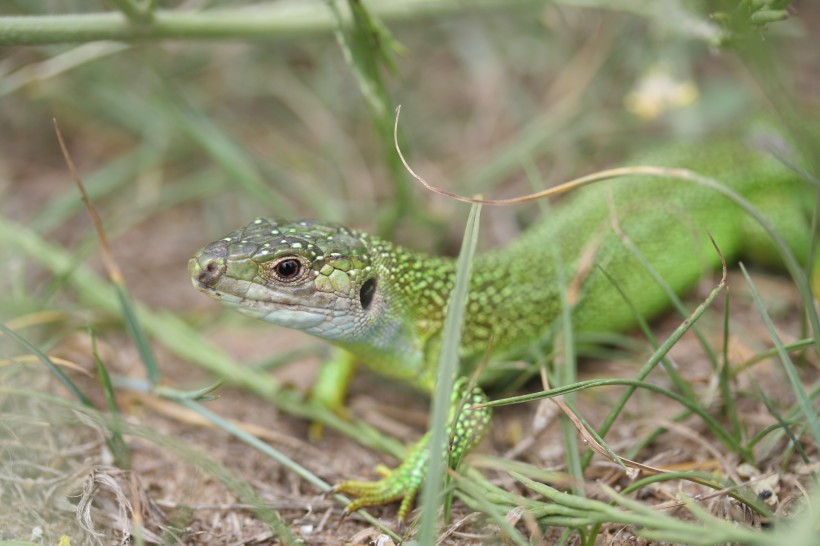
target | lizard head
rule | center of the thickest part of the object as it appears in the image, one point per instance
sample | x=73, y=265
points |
x=303, y=275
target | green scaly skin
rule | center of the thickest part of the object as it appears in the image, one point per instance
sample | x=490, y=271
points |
x=385, y=304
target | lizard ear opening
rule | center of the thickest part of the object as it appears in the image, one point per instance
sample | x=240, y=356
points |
x=366, y=293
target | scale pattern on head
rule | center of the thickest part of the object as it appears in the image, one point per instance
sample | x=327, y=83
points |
x=331, y=255
x=305, y=275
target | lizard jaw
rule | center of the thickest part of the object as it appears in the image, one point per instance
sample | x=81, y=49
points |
x=248, y=300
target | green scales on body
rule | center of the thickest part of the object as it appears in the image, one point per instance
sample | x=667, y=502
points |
x=385, y=305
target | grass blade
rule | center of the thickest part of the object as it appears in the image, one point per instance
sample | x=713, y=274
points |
x=278, y=456
x=788, y=366
x=61, y=376
x=133, y=326
x=115, y=441
x=660, y=354
x=237, y=163
x=714, y=426
x=447, y=370
x=479, y=501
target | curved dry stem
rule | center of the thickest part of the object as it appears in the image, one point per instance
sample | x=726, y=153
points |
x=641, y=170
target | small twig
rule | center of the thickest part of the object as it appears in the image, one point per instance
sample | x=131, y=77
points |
x=588, y=439
x=127, y=307
x=25, y=359
x=110, y=264
x=715, y=493
x=640, y=170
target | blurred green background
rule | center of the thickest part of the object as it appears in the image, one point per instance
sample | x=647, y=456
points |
x=494, y=100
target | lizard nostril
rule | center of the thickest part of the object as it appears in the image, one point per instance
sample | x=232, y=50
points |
x=209, y=265
x=210, y=271
x=206, y=270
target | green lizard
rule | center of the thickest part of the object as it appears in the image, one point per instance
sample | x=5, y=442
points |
x=384, y=305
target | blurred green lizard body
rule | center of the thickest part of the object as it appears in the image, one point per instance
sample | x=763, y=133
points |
x=385, y=305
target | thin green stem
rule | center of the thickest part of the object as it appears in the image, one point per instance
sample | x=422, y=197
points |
x=788, y=366
x=61, y=376
x=256, y=22
x=447, y=370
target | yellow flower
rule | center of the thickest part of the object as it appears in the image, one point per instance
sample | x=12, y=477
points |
x=657, y=92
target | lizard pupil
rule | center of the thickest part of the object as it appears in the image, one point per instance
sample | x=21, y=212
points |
x=288, y=269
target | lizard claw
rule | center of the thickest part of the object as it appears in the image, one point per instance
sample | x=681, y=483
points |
x=402, y=483
x=397, y=486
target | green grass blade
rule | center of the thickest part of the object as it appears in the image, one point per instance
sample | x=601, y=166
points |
x=724, y=376
x=447, y=370
x=132, y=325
x=657, y=357
x=578, y=512
x=137, y=332
x=567, y=372
x=782, y=426
x=487, y=506
x=764, y=355
x=715, y=427
x=674, y=299
x=788, y=366
x=366, y=46
x=276, y=455
x=732, y=490
x=645, y=370
x=234, y=160
x=61, y=376
x=789, y=260
x=252, y=441
x=115, y=441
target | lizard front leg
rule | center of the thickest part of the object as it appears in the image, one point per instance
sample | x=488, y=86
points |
x=467, y=428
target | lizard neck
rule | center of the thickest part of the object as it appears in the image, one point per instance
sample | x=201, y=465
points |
x=401, y=336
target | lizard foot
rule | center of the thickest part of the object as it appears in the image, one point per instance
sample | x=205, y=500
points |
x=402, y=483
x=467, y=427
x=378, y=493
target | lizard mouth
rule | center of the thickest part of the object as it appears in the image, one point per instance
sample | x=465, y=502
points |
x=282, y=313
x=209, y=291
x=250, y=299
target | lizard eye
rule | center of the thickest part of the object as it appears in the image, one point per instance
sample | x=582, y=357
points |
x=366, y=293
x=288, y=269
